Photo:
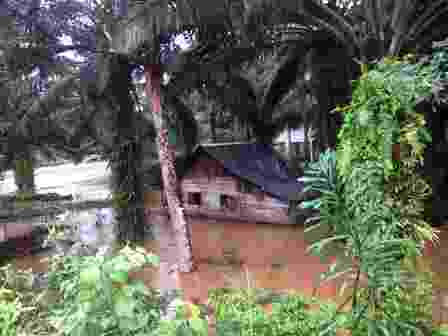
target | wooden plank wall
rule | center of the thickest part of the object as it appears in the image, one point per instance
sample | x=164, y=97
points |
x=208, y=176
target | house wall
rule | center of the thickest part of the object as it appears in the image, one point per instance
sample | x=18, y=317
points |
x=14, y=230
x=208, y=177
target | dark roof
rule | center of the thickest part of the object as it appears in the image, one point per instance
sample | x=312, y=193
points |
x=256, y=163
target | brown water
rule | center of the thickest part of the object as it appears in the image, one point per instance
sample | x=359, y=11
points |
x=37, y=263
x=87, y=231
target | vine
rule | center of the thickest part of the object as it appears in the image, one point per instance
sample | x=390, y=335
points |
x=383, y=117
x=372, y=199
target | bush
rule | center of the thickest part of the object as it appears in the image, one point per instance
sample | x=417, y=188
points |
x=237, y=313
x=22, y=309
x=9, y=315
x=97, y=296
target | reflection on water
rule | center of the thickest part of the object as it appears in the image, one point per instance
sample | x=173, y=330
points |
x=85, y=181
x=93, y=227
x=38, y=263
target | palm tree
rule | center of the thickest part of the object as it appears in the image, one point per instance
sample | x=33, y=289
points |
x=221, y=37
x=233, y=32
x=31, y=125
x=34, y=103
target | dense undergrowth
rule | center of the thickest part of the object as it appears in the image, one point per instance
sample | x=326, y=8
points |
x=372, y=201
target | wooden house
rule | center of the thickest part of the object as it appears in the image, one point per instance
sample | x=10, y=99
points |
x=235, y=199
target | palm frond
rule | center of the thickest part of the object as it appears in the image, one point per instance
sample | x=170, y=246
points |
x=182, y=119
x=43, y=105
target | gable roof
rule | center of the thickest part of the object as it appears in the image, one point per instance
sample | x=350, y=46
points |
x=256, y=163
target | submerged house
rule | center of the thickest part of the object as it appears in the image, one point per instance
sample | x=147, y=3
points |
x=235, y=199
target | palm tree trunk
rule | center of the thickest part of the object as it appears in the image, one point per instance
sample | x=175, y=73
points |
x=153, y=75
x=24, y=171
x=213, y=123
x=126, y=176
x=128, y=191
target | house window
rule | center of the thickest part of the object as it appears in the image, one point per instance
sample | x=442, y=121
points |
x=250, y=188
x=228, y=202
x=194, y=198
x=247, y=187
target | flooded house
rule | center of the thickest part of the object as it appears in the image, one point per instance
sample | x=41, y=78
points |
x=236, y=199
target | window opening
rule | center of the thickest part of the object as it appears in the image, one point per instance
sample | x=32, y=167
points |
x=228, y=202
x=194, y=198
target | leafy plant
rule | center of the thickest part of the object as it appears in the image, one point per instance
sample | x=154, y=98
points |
x=440, y=64
x=320, y=177
x=98, y=295
x=9, y=315
x=382, y=99
x=373, y=203
x=193, y=325
x=237, y=313
x=22, y=308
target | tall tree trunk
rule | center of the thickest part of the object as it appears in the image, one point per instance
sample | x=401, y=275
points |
x=213, y=123
x=127, y=161
x=128, y=191
x=24, y=170
x=289, y=144
x=153, y=75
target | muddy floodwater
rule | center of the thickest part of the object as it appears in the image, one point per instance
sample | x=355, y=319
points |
x=85, y=181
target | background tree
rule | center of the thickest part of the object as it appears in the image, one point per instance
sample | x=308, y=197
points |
x=38, y=81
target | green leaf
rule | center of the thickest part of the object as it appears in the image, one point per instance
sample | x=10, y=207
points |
x=90, y=277
x=200, y=326
x=153, y=259
x=318, y=246
x=139, y=287
x=124, y=306
x=314, y=204
x=121, y=277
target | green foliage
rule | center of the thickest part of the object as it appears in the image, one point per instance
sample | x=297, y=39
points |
x=98, y=297
x=388, y=298
x=440, y=64
x=183, y=325
x=443, y=331
x=9, y=314
x=382, y=99
x=237, y=313
x=22, y=308
x=373, y=203
x=382, y=114
x=294, y=316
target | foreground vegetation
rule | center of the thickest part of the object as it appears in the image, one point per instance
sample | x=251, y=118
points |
x=98, y=296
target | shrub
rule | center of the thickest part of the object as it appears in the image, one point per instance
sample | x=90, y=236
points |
x=22, y=309
x=237, y=313
x=97, y=296
x=373, y=201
